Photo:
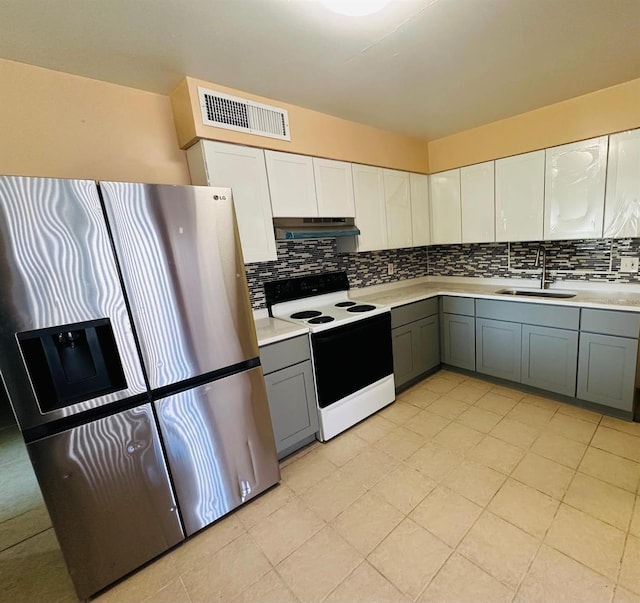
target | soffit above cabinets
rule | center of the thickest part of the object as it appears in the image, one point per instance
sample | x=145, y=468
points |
x=426, y=68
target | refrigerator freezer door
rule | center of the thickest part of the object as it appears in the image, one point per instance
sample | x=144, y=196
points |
x=184, y=276
x=220, y=446
x=56, y=268
x=107, y=490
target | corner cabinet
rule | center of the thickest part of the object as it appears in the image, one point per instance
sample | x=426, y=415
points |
x=457, y=328
x=477, y=193
x=397, y=196
x=243, y=170
x=520, y=197
x=420, y=209
x=446, y=217
x=574, y=189
x=622, y=197
x=291, y=393
x=415, y=333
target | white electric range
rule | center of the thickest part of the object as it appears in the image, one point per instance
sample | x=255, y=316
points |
x=350, y=346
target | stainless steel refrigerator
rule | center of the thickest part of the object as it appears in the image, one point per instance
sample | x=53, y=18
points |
x=128, y=352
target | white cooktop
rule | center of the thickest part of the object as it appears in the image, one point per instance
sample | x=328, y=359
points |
x=326, y=313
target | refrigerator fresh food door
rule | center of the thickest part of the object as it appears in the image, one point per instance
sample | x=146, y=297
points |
x=220, y=446
x=60, y=285
x=184, y=276
x=107, y=490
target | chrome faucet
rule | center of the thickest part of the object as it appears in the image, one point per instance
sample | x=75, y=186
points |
x=541, y=253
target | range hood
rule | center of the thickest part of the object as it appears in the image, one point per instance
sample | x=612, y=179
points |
x=289, y=229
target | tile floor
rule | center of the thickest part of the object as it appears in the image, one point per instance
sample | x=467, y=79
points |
x=459, y=491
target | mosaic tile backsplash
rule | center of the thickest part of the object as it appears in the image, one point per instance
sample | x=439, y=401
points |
x=584, y=260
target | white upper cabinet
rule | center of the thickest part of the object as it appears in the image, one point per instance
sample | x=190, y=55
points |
x=477, y=188
x=334, y=188
x=420, y=218
x=574, y=190
x=292, y=185
x=398, y=208
x=243, y=169
x=622, y=200
x=446, y=218
x=371, y=215
x=520, y=197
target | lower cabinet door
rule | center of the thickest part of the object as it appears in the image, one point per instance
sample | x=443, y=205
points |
x=428, y=339
x=498, y=347
x=458, y=341
x=292, y=401
x=416, y=349
x=607, y=369
x=404, y=343
x=550, y=359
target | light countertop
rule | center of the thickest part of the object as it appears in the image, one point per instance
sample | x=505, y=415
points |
x=270, y=330
x=588, y=295
x=604, y=297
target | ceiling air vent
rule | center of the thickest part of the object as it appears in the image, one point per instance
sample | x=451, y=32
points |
x=234, y=113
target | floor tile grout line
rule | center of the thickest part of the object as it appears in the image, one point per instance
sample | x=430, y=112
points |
x=27, y=538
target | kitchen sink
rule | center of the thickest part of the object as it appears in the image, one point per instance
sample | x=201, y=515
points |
x=537, y=293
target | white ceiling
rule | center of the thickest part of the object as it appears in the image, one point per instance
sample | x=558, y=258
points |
x=428, y=68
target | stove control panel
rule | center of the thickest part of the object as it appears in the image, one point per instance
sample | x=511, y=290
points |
x=305, y=286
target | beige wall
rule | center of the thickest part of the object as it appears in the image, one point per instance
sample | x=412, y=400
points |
x=64, y=126
x=603, y=112
x=312, y=133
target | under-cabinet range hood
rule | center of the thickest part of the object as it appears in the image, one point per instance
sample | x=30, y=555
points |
x=314, y=228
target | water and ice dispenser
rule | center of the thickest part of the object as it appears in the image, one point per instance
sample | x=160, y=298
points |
x=72, y=363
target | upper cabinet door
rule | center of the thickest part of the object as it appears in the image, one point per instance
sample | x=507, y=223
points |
x=292, y=185
x=398, y=207
x=243, y=169
x=622, y=199
x=574, y=189
x=334, y=188
x=446, y=219
x=371, y=216
x=520, y=197
x=420, y=218
x=478, y=203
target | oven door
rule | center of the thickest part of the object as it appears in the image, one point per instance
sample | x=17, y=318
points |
x=348, y=358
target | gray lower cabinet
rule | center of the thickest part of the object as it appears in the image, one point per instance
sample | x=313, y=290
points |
x=416, y=349
x=549, y=359
x=291, y=392
x=607, y=370
x=459, y=341
x=498, y=348
x=607, y=357
x=458, y=332
x=415, y=335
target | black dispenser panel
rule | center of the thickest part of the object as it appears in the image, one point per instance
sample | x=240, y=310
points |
x=72, y=363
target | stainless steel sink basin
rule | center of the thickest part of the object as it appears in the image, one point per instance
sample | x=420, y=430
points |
x=536, y=293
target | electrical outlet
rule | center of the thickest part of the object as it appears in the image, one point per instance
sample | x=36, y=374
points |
x=628, y=264
x=390, y=269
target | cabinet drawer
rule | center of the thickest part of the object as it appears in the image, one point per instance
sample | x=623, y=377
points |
x=610, y=322
x=544, y=315
x=285, y=353
x=458, y=305
x=412, y=312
